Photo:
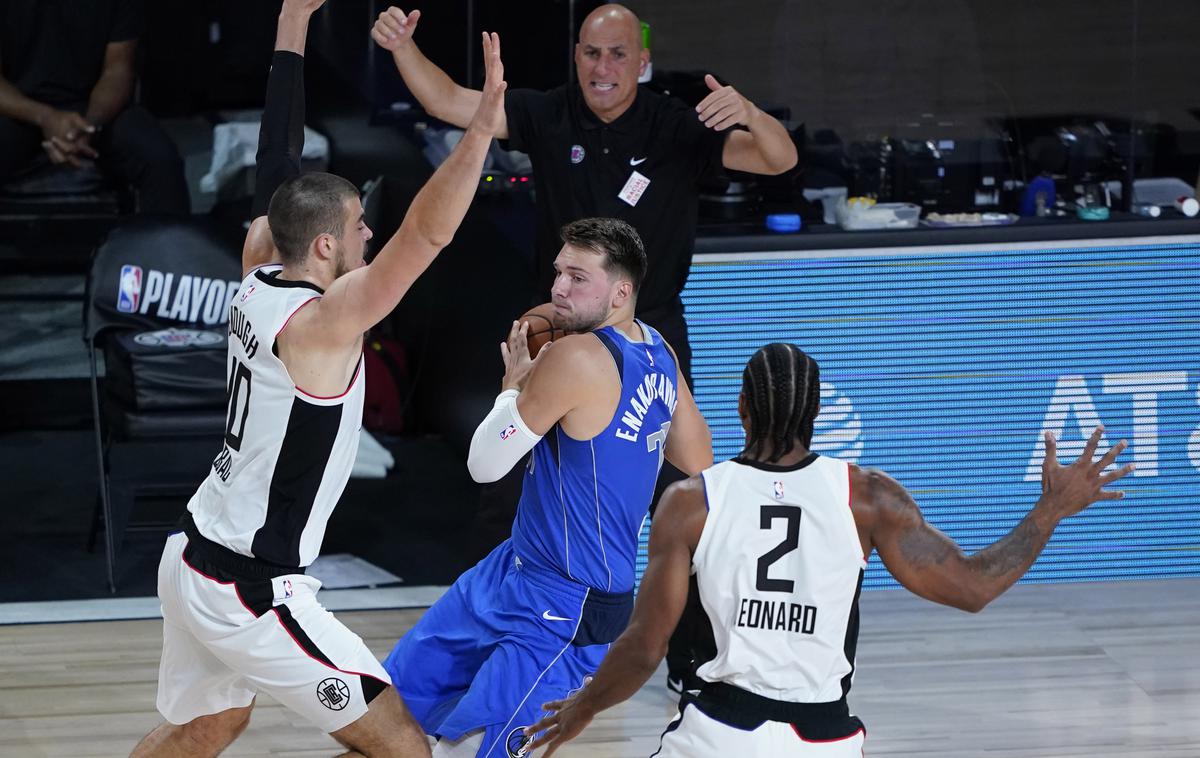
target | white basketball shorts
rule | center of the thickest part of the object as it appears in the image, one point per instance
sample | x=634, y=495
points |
x=226, y=638
x=694, y=734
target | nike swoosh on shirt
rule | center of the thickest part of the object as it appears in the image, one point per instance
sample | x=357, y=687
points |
x=549, y=617
x=637, y=161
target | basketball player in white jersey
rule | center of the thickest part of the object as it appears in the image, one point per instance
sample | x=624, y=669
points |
x=240, y=615
x=778, y=538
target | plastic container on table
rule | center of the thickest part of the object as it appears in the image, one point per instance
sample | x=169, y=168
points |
x=858, y=216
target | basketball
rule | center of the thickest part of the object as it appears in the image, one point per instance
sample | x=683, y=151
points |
x=542, y=327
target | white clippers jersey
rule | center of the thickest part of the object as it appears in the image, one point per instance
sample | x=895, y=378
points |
x=287, y=454
x=779, y=567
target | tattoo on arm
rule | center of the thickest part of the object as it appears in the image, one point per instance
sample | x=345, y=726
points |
x=932, y=565
x=922, y=548
x=919, y=544
x=1016, y=552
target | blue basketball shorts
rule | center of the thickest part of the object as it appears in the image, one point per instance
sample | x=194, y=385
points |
x=506, y=638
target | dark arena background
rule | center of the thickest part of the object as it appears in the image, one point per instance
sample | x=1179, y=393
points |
x=991, y=233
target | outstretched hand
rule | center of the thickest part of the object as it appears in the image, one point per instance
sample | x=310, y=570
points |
x=565, y=722
x=394, y=30
x=489, y=117
x=723, y=107
x=1070, y=489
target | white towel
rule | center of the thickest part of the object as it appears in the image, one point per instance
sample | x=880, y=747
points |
x=373, y=459
x=236, y=143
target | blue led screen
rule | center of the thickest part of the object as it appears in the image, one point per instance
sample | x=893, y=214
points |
x=944, y=368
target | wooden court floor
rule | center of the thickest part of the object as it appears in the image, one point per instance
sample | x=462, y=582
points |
x=1049, y=671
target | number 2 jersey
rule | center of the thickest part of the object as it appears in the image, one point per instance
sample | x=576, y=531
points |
x=779, y=566
x=287, y=454
x=583, y=501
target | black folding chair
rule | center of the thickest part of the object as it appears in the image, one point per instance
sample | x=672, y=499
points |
x=156, y=308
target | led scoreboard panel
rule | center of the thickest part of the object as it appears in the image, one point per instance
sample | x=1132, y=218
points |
x=944, y=365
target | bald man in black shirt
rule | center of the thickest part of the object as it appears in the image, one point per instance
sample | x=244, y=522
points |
x=603, y=146
x=66, y=81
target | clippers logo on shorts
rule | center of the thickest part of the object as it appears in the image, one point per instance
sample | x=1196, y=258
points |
x=507, y=432
x=333, y=693
x=178, y=297
x=129, y=289
x=517, y=743
x=577, y=153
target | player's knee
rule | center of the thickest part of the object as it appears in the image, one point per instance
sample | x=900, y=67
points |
x=210, y=734
x=387, y=729
x=239, y=720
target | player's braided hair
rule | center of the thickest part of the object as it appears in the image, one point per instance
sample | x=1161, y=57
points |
x=782, y=386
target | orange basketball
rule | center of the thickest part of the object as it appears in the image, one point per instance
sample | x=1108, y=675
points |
x=542, y=327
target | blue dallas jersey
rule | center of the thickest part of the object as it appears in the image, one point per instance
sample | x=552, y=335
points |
x=583, y=501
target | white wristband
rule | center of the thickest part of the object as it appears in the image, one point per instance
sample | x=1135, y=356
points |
x=500, y=440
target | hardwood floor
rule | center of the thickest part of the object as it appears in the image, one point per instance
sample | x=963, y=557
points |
x=1049, y=671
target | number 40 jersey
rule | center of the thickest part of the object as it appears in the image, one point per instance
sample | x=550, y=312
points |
x=287, y=454
x=779, y=566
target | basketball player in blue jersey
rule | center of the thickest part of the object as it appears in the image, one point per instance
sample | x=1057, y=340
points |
x=600, y=410
x=778, y=539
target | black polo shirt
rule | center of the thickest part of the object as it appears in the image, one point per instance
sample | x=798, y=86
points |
x=53, y=50
x=581, y=165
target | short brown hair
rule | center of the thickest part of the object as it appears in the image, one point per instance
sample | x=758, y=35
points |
x=305, y=207
x=616, y=240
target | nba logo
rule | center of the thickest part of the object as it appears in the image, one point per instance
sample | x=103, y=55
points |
x=129, y=290
x=287, y=588
x=779, y=490
x=508, y=431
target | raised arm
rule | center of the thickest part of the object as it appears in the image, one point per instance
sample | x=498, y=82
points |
x=765, y=148
x=281, y=132
x=635, y=655
x=931, y=565
x=437, y=92
x=361, y=298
